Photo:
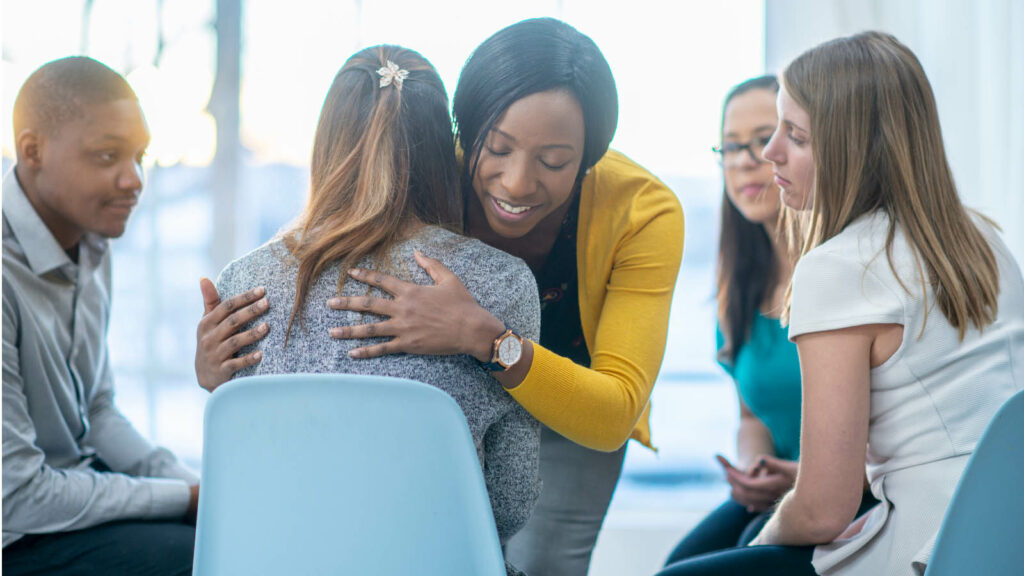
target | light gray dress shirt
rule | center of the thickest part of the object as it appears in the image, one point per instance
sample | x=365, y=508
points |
x=58, y=395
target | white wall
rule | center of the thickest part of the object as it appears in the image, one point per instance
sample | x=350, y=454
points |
x=973, y=53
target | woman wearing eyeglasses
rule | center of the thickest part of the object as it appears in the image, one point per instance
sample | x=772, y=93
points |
x=907, y=309
x=754, y=268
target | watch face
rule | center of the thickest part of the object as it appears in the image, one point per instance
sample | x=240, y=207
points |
x=510, y=350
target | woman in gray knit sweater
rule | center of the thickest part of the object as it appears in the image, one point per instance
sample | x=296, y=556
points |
x=384, y=184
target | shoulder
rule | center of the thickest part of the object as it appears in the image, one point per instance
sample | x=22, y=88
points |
x=480, y=267
x=857, y=248
x=241, y=273
x=617, y=183
x=847, y=281
x=501, y=283
x=623, y=205
x=862, y=248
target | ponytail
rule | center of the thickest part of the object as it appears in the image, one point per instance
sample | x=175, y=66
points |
x=365, y=167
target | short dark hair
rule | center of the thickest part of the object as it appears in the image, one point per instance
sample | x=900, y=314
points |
x=61, y=90
x=533, y=56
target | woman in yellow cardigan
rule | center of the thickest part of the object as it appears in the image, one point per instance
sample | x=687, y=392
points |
x=535, y=108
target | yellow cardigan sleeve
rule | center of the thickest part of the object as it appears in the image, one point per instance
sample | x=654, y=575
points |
x=599, y=407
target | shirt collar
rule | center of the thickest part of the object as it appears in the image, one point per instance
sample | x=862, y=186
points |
x=41, y=249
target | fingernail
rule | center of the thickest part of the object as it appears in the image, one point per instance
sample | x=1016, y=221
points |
x=355, y=353
x=260, y=291
x=355, y=272
x=334, y=302
x=258, y=356
x=264, y=327
x=336, y=332
x=264, y=304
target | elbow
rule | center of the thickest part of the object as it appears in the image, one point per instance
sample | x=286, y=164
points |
x=601, y=434
x=609, y=440
x=607, y=447
x=825, y=530
x=509, y=525
x=823, y=524
x=512, y=515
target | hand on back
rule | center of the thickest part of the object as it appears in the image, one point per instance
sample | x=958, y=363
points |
x=218, y=338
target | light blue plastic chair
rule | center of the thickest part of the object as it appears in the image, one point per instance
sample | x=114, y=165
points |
x=339, y=474
x=983, y=531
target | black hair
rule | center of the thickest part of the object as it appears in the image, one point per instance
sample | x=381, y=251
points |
x=61, y=90
x=746, y=261
x=533, y=56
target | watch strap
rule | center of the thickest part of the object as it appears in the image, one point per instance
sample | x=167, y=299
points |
x=494, y=365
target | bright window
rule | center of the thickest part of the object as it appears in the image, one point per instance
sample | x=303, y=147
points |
x=673, y=62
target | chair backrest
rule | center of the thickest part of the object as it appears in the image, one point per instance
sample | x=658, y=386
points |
x=340, y=474
x=983, y=531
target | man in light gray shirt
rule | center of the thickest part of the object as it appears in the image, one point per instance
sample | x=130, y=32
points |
x=83, y=491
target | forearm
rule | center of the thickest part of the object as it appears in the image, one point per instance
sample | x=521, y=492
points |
x=596, y=407
x=40, y=498
x=62, y=500
x=124, y=449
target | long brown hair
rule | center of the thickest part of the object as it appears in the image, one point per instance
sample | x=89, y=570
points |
x=746, y=260
x=877, y=145
x=383, y=158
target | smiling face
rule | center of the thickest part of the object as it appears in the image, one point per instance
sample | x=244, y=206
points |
x=750, y=118
x=790, y=153
x=529, y=162
x=86, y=175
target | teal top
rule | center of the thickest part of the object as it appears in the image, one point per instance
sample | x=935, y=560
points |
x=767, y=375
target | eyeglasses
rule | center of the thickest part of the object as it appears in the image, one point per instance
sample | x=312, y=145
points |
x=730, y=153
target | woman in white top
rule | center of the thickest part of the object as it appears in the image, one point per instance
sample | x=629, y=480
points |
x=907, y=311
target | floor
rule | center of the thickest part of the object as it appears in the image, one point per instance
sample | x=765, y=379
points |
x=632, y=545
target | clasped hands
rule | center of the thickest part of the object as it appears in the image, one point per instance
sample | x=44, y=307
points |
x=762, y=484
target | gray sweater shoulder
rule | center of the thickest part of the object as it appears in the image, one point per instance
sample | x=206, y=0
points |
x=506, y=436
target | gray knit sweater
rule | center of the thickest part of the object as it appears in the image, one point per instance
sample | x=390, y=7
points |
x=507, y=438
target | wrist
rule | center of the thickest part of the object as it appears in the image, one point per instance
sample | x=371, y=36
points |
x=480, y=337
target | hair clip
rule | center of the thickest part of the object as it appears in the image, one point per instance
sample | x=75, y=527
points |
x=391, y=73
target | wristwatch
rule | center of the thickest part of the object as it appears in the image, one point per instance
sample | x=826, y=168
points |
x=507, y=351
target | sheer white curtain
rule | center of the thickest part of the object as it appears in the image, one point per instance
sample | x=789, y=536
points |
x=973, y=53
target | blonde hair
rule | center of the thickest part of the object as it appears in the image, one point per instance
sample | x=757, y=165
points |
x=877, y=145
x=383, y=158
